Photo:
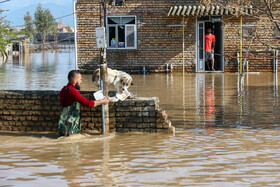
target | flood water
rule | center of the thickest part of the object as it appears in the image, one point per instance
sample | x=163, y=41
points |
x=227, y=133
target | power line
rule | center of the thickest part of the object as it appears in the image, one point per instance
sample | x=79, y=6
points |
x=14, y=26
x=4, y=1
x=64, y=16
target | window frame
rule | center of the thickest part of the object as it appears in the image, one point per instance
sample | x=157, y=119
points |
x=114, y=3
x=125, y=32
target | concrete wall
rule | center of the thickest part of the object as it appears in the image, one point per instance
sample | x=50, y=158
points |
x=40, y=110
x=159, y=44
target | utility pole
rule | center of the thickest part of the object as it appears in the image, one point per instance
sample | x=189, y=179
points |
x=75, y=35
x=103, y=73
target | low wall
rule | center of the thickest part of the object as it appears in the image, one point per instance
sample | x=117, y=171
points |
x=40, y=110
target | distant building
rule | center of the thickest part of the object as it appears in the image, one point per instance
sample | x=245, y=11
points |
x=63, y=34
x=63, y=27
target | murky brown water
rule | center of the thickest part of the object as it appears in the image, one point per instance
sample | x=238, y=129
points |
x=227, y=134
x=197, y=157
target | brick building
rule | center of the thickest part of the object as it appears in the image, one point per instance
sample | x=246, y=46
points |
x=142, y=33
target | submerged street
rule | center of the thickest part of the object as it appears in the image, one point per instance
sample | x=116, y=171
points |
x=227, y=132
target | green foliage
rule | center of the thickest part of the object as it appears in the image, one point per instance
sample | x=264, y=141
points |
x=44, y=22
x=69, y=30
x=29, y=25
x=6, y=35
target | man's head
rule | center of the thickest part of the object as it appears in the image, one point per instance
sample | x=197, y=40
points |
x=209, y=30
x=75, y=78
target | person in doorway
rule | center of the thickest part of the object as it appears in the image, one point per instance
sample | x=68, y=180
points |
x=70, y=100
x=210, y=42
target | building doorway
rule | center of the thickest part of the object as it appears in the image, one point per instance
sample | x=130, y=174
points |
x=215, y=24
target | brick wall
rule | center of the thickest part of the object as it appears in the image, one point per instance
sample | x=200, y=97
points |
x=260, y=55
x=158, y=44
x=40, y=110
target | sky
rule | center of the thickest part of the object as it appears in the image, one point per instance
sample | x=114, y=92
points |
x=16, y=4
x=18, y=8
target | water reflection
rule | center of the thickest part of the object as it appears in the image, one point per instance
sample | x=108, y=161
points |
x=37, y=71
x=204, y=152
x=197, y=100
x=195, y=157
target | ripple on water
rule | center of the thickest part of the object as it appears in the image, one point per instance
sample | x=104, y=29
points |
x=191, y=157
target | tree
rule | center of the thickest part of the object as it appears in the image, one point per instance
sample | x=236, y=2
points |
x=69, y=31
x=6, y=37
x=44, y=23
x=29, y=25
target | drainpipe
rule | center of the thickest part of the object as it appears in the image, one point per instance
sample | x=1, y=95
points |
x=144, y=70
x=75, y=35
x=238, y=61
x=183, y=46
x=241, y=66
x=276, y=60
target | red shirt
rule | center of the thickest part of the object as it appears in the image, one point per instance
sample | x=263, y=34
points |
x=72, y=96
x=209, y=40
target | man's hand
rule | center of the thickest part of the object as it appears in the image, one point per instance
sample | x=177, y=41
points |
x=104, y=101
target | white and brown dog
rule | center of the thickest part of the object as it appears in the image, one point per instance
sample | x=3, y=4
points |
x=119, y=79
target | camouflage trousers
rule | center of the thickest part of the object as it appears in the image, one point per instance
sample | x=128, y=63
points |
x=70, y=120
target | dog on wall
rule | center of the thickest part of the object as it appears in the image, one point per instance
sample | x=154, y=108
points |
x=119, y=79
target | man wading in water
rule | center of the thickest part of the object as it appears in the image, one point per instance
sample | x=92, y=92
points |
x=70, y=100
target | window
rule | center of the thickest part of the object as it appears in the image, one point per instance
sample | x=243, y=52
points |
x=116, y=2
x=121, y=32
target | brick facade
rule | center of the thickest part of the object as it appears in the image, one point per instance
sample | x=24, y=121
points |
x=40, y=110
x=158, y=43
